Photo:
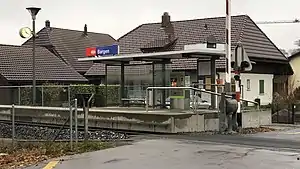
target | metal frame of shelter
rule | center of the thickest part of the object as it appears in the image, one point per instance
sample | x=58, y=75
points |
x=162, y=58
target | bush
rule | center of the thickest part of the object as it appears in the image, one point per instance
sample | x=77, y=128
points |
x=57, y=96
x=99, y=90
x=285, y=101
x=26, y=95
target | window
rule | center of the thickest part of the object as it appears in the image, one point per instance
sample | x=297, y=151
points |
x=261, y=86
x=248, y=84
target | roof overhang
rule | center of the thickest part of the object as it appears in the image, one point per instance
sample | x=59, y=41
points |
x=157, y=56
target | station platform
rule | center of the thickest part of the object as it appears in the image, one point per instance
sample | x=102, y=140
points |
x=135, y=119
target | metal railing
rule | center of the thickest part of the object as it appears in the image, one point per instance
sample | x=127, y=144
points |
x=41, y=89
x=72, y=109
x=86, y=116
x=189, y=88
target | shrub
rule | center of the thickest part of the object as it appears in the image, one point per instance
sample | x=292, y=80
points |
x=26, y=95
x=57, y=96
x=99, y=90
x=285, y=101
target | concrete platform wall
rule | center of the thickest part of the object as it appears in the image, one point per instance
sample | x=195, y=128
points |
x=193, y=123
x=256, y=118
x=250, y=119
x=163, y=122
x=151, y=122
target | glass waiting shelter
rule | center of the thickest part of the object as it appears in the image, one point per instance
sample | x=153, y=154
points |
x=162, y=59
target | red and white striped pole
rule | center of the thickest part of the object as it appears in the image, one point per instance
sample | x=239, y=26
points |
x=228, y=42
x=238, y=91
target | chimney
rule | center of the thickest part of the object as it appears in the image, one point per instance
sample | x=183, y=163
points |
x=211, y=42
x=85, y=30
x=47, y=24
x=166, y=20
x=167, y=26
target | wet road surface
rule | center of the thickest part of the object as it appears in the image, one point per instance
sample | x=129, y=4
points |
x=285, y=134
x=180, y=154
x=274, y=150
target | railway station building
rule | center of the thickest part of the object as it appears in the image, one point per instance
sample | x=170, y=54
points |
x=270, y=67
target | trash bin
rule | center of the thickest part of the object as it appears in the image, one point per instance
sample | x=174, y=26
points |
x=179, y=103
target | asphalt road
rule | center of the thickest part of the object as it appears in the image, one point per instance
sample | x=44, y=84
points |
x=180, y=154
x=274, y=150
x=245, y=140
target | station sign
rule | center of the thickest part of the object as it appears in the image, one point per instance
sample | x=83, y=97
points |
x=99, y=51
x=90, y=52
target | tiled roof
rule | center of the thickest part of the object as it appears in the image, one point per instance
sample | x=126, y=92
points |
x=70, y=45
x=256, y=43
x=16, y=65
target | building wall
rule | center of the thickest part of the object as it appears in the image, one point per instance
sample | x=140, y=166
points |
x=251, y=86
x=294, y=80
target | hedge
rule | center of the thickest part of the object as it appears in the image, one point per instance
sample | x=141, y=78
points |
x=58, y=96
x=99, y=90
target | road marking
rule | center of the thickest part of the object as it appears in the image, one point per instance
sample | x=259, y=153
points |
x=51, y=165
x=294, y=133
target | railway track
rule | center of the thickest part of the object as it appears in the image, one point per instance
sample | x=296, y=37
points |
x=220, y=139
x=80, y=127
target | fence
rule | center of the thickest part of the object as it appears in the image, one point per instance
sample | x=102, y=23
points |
x=50, y=95
x=191, y=89
x=73, y=117
x=288, y=113
x=58, y=95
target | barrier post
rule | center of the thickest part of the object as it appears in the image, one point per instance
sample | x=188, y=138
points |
x=76, y=123
x=13, y=124
x=71, y=128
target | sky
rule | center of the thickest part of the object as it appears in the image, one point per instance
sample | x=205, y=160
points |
x=117, y=17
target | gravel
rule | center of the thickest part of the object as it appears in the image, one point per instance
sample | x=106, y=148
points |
x=27, y=132
x=239, y=132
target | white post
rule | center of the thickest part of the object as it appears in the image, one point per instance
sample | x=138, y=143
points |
x=76, y=123
x=13, y=124
x=228, y=41
x=43, y=96
x=147, y=100
x=71, y=128
x=19, y=93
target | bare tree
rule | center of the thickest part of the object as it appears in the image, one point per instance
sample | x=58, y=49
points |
x=293, y=51
x=286, y=54
x=297, y=42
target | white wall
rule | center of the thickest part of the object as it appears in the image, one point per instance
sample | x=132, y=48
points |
x=295, y=78
x=253, y=93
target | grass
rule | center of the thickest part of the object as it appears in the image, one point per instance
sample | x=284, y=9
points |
x=30, y=153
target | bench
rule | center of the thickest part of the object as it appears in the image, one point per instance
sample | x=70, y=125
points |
x=133, y=101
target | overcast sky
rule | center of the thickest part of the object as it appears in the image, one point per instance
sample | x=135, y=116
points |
x=117, y=17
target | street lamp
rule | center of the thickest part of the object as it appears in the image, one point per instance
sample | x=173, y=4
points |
x=33, y=11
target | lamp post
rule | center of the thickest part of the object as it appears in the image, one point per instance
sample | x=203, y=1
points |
x=33, y=11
